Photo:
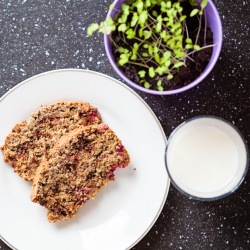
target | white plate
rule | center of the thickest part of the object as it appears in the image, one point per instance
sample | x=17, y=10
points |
x=124, y=210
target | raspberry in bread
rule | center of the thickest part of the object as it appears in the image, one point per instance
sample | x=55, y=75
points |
x=30, y=142
x=82, y=162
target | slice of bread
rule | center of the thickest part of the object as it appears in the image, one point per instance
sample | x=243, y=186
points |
x=30, y=142
x=82, y=162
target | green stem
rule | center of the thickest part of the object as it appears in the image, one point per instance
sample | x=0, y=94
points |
x=155, y=21
x=186, y=30
x=198, y=33
x=138, y=64
x=138, y=39
x=190, y=58
x=205, y=30
x=204, y=47
x=113, y=42
x=150, y=59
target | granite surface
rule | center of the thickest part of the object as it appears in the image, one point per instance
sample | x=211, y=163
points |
x=41, y=35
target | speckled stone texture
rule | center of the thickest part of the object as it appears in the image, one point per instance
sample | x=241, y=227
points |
x=41, y=35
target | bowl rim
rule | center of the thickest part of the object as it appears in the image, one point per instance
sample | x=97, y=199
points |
x=193, y=197
x=199, y=79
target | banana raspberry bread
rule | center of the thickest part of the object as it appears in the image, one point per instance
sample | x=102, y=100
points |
x=30, y=142
x=82, y=162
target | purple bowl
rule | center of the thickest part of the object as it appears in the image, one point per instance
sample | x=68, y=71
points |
x=214, y=22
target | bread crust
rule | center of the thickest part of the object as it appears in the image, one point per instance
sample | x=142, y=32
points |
x=82, y=162
x=30, y=142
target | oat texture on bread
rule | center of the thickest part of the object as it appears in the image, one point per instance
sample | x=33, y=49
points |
x=82, y=162
x=30, y=142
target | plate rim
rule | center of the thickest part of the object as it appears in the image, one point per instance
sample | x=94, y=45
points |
x=137, y=96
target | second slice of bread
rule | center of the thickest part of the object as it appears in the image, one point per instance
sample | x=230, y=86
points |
x=82, y=162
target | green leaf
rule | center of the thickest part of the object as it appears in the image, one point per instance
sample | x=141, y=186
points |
x=92, y=28
x=107, y=26
x=171, y=43
x=170, y=76
x=145, y=46
x=178, y=43
x=125, y=13
x=147, y=34
x=170, y=21
x=176, y=5
x=140, y=32
x=159, y=83
x=130, y=33
x=203, y=4
x=167, y=64
x=142, y=73
x=169, y=3
x=189, y=40
x=124, y=58
x=125, y=9
x=122, y=50
x=146, y=85
x=179, y=10
x=178, y=65
x=197, y=47
x=139, y=7
x=148, y=3
x=182, y=18
x=133, y=57
x=166, y=55
x=134, y=19
x=193, y=2
x=151, y=72
x=150, y=50
x=163, y=6
x=143, y=18
x=160, y=70
x=160, y=88
x=135, y=47
x=157, y=58
x=122, y=27
x=170, y=13
x=174, y=14
x=194, y=12
x=109, y=22
x=145, y=54
x=111, y=6
x=178, y=32
x=158, y=26
x=159, y=18
x=188, y=46
x=179, y=54
x=155, y=13
x=163, y=34
x=156, y=49
x=123, y=18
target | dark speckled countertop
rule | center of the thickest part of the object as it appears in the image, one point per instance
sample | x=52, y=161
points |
x=41, y=35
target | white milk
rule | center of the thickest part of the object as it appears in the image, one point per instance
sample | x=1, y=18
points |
x=206, y=157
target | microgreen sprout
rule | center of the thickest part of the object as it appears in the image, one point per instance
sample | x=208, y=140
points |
x=154, y=35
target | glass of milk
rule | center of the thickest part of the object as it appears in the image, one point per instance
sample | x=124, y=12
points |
x=206, y=158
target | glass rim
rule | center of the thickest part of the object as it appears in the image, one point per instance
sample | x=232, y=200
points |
x=193, y=197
